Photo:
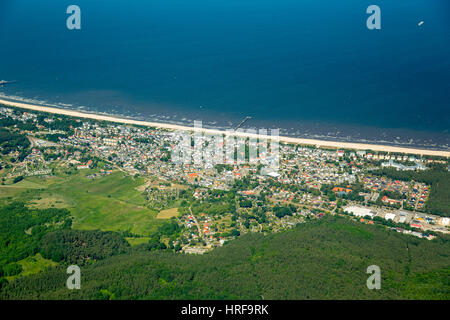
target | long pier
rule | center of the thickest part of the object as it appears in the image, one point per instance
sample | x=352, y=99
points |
x=3, y=82
x=242, y=122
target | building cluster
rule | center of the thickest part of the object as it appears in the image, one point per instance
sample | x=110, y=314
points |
x=300, y=180
x=413, y=194
x=420, y=221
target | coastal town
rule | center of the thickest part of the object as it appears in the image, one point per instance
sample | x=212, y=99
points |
x=210, y=205
x=224, y=159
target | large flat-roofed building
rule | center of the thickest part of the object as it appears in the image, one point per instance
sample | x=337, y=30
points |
x=389, y=216
x=444, y=221
x=360, y=211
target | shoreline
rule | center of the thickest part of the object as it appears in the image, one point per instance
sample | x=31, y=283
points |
x=300, y=141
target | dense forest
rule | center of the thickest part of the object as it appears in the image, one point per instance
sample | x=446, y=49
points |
x=323, y=259
x=21, y=231
x=81, y=246
x=439, y=179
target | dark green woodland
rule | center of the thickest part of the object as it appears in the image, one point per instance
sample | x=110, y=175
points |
x=322, y=259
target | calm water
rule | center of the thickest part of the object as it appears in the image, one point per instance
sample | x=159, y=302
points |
x=310, y=67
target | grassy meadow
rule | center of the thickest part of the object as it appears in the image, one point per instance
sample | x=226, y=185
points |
x=108, y=203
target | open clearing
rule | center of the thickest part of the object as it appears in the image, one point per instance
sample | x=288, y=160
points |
x=137, y=241
x=109, y=203
x=45, y=201
x=167, y=214
x=32, y=265
x=24, y=184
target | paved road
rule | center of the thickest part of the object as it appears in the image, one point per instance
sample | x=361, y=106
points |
x=196, y=223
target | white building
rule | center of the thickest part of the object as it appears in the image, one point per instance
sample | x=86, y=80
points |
x=360, y=211
x=389, y=216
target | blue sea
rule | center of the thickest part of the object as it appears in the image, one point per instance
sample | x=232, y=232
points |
x=311, y=68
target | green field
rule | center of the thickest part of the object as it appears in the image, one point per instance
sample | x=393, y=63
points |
x=167, y=213
x=50, y=201
x=110, y=203
x=27, y=188
x=137, y=241
x=24, y=184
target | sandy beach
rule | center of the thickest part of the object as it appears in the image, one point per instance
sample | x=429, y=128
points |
x=314, y=142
